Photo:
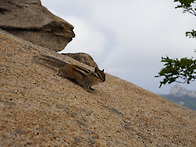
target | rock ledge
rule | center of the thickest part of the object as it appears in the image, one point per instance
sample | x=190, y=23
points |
x=31, y=21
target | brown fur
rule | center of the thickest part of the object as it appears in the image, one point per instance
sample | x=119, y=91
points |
x=82, y=76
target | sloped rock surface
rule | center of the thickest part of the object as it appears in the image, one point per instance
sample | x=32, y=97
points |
x=29, y=20
x=39, y=108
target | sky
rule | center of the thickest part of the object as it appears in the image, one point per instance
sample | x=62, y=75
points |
x=127, y=38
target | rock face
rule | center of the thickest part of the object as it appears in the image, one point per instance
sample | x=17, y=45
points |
x=40, y=108
x=29, y=20
x=82, y=57
x=181, y=91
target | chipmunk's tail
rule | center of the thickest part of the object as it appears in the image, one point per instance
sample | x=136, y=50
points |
x=49, y=60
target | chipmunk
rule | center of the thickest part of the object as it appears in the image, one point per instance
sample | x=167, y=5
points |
x=82, y=76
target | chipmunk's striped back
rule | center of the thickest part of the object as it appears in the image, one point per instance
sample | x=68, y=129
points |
x=81, y=70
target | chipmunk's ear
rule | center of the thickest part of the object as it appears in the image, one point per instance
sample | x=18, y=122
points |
x=96, y=69
x=103, y=70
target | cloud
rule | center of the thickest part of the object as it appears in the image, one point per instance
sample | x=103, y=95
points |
x=144, y=32
x=87, y=39
x=128, y=38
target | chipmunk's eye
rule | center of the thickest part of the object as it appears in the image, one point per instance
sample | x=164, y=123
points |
x=101, y=75
x=98, y=74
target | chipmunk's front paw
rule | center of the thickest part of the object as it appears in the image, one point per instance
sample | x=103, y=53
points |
x=89, y=89
x=92, y=89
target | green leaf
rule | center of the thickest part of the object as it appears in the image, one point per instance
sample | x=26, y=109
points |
x=175, y=70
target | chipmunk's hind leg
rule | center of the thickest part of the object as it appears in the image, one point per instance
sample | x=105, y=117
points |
x=60, y=73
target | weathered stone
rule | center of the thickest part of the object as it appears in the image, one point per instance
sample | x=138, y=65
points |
x=29, y=20
x=82, y=57
x=40, y=108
